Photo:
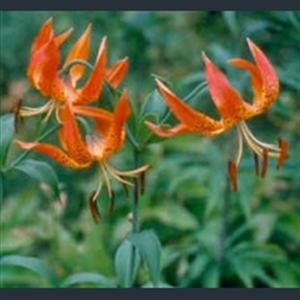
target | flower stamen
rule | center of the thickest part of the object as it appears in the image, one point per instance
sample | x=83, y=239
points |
x=261, y=150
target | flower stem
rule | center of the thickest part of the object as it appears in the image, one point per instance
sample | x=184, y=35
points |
x=224, y=220
x=135, y=215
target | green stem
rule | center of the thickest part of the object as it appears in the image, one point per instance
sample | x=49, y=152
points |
x=224, y=220
x=76, y=61
x=131, y=139
x=135, y=214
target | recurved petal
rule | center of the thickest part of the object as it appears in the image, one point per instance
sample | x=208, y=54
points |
x=71, y=138
x=52, y=152
x=93, y=112
x=43, y=71
x=113, y=133
x=227, y=100
x=256, y=79
x=80, y=50
x=270, y=81
x=195, y=121
x=166, y=132
x=117, y=72
x=92, y=88
x=103, y=119
x=44, y=35
x=62, y=37
x=122, y=110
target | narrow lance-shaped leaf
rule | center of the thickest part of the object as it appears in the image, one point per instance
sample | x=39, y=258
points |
x=6, y=136
x=33, y=264
x=87, y=277
x=41, y=171
x=123, y=264
x=149, y=246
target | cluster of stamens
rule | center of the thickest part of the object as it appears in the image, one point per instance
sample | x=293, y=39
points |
x=260, y=149
x=108, y=172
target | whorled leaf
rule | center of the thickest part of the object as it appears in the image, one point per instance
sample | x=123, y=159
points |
x=123, y=263
x=150, y=248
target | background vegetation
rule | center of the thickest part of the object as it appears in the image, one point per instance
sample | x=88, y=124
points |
x=210, y=236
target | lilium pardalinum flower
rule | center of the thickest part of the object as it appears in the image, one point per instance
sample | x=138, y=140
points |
x=232, y=108
x=107, y=138
x=61, y=85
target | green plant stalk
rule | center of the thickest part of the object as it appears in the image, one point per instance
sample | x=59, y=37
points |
x=224, y=221
x=135, y=214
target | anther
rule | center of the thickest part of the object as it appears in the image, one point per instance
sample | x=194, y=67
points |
x=256, y=164
x=142, y=182
x=232, y=172
x=94, y=208
x=264, y=162
x=283, y=145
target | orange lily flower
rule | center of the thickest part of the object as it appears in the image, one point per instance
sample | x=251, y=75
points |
x=107, y=138
x=232, y=108
x=62, y=85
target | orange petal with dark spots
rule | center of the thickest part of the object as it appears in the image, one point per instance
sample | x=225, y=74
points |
x=269, y=77
x=195, y=121
x=52, y=152
x=226, y=98
x=256, y=79
x=71, y=138
x=167, y=132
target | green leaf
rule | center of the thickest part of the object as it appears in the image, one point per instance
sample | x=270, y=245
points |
x=241, y=270
x=230, y=19
x=212, y=276
x=160, y=285
x=173, y=215
x=33, y=264
x=88, y=277
x=154, y=103
x=6, y=135
x=123, y=263
x=149, y=246
x=41, y=171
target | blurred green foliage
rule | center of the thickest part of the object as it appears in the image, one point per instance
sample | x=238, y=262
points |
x=210, y=236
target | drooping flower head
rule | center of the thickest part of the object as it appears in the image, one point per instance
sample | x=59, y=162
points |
x=233, y=109
x=107, y=138
x=60, y=83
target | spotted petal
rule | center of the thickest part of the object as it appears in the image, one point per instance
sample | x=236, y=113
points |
x=270, y=81
x=256, y=79
x=71, y=138
x=110, y=133
x=228, y=101
x=166, y=132
x=193, y=120
x=52, y=152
